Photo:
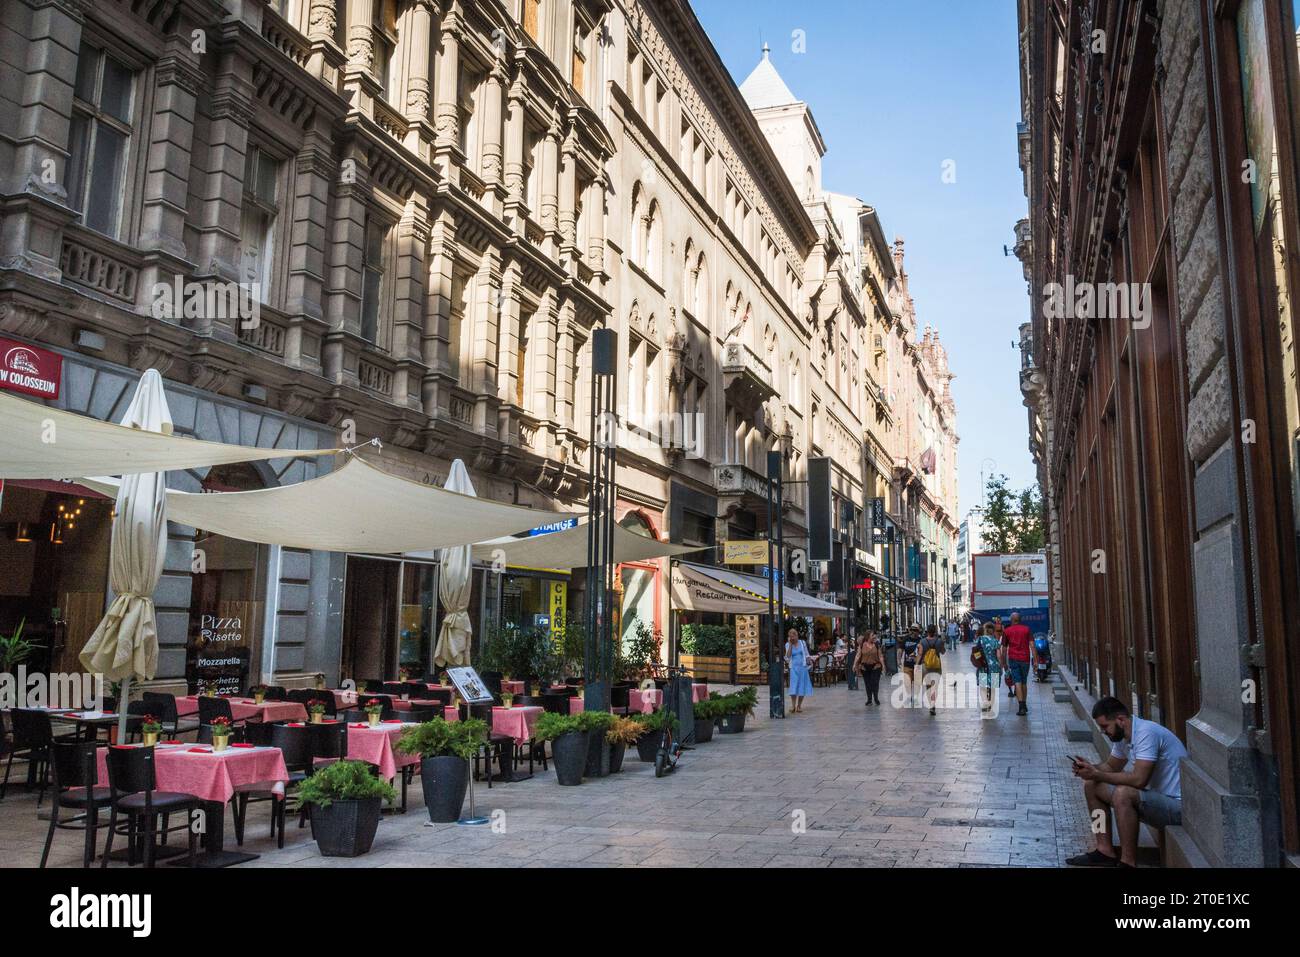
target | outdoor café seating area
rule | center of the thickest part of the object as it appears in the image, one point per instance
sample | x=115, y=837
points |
x=125, y=788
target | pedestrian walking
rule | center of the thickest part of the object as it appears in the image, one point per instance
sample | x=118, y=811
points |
x=953, y=634
x=869, y=662
x=931, y=653
x=986, y=658
x=911, y=641
x=796, y=661
x=1018, y=642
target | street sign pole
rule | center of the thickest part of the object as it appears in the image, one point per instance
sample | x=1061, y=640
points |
x=775, y=658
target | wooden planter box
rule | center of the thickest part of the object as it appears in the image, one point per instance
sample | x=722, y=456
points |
x=706, y=668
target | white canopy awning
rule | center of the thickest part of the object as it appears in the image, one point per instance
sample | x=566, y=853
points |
x=40, y=442
x=568, y=549
x=708, y=588
x=356, y=508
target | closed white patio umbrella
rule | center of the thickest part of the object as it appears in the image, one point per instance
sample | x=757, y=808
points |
x=125, y=645
x=454, y=587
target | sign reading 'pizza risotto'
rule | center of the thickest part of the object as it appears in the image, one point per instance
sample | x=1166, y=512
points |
x=30, y=370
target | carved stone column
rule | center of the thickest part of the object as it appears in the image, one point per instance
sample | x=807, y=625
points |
x=33, y=163
x=493, y=94
x=447, y=109
x=416, y=109
x=514, y=149
x=548, y=214
x=568, y=193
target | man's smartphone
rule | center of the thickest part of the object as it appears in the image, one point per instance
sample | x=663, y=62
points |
x=1078, y=762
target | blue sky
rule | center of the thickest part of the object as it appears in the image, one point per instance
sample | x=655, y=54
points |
x=897, y=89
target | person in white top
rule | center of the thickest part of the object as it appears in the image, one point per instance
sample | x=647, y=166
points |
x=1139, y=782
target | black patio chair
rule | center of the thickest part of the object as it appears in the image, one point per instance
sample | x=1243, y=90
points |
x=134, y=795
x=32, y=736
x=295, y=746
x=73, y=763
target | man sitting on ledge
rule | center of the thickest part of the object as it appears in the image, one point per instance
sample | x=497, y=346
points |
x=1147, y=790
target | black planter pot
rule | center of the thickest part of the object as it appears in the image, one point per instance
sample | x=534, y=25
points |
x=647, y=746
x=597, y=755
x=345, y=828
x=444, y=781
x=616, y=752
x=569, y=755
x=731, y=723
x=703, y=730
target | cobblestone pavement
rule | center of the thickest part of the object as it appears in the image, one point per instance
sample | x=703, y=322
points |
x=875, y=787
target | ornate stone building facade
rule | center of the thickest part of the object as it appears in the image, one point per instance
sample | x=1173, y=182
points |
x=432, y=204
x=1159, y=151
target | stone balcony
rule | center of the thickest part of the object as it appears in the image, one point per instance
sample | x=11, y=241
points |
x=745, y=377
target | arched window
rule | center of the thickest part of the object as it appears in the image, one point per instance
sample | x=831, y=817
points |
x=636, y=250
x=700, y=301
x=654, y=242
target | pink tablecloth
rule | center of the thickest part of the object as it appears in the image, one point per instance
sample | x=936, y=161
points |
x=377, y=746
x=211, y=775
x=273, y=710
x=343, y=698
x=577, y=705
x=644, y=701
x=245, y=709
x=699, y=692
x=516, y=722
x=512, y=687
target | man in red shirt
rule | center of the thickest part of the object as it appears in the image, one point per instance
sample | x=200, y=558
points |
x=1017, y=647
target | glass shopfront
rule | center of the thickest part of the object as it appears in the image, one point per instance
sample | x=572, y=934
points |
x=533, y=600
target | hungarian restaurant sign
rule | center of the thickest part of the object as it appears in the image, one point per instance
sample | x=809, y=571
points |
x=30, y=370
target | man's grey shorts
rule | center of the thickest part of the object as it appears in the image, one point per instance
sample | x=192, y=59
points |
x=1159, y=810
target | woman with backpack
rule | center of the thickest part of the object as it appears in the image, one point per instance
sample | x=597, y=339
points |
x=986, y=659
x=869, y=662
x=931, y=651
x=911, y=641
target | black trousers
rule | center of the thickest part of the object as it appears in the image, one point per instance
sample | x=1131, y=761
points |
x=872, y=677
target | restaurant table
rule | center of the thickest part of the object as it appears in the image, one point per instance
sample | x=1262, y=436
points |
x=89, y=722
x=246, y=709
x=347, y=698
x=375, y=745
x=644, y=701
x=699, y=692
x=213, y=777
x=518, y=722
x=401, y=704
x=577, y=705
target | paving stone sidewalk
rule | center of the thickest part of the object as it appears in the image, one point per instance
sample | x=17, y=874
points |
x=840, y=785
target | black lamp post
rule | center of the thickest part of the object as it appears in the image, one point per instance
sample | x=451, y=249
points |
x=598, y=657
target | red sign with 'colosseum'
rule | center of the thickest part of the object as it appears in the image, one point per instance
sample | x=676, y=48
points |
x=28, y=369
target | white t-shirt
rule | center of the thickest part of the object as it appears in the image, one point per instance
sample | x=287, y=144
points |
x=1154, y=742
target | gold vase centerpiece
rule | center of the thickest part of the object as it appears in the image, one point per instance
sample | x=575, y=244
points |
x=150, y=738
x=373, y=717
x=220, y=742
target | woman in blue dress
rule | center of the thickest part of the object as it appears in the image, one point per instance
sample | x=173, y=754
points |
x=796, y=659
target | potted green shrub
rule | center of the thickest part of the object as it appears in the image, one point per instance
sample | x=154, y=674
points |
x=345, y=800
x=316, y=710
x=445, y=748
x=568, y=745
x=736, y=707
x=647, y=746
x=621, y=732
x=596, y=724
x=706, y=713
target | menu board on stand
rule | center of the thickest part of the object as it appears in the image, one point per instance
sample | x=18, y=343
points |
x=747, y=657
